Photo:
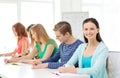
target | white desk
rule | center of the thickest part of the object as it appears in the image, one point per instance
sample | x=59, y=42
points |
x=25, y=71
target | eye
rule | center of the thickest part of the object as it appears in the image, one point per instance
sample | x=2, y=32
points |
x=85, y=29
x=91, y=28
x=57, y=36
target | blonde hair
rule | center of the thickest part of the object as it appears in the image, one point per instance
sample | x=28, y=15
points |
x=40, y=33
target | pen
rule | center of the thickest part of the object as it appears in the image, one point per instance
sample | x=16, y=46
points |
x=56, y=73
x=14, y=64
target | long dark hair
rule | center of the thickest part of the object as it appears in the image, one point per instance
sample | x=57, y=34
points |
x=94, y=21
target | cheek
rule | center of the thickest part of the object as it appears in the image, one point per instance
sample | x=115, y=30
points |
x=33, y=37
x=59, y=38
x=84, y=32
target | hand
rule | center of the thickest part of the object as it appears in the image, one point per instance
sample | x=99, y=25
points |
x=13, y=55
x=26, y=61
x=6, y=61
x=35, y=62
x=70, y=69
x=2, y=55
x=43, y=65
x=62, y=69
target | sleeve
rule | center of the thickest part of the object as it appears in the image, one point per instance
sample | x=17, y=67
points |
x=53, y=61
x=55, y=65
x=54, y=58
x=74, y=59
x=51, y=41
x=99, y=63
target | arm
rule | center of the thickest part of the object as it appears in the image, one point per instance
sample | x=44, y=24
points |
x=69, y=66
x=99, y=63
x=48, y=52
x=55, y=65
x=74, y=59
x=46, y=63
x=8, y=54
x=23, y=58
x=63, y=61
x=51, y=65
x=29, y=56
x=24, y=47
x=54, y=58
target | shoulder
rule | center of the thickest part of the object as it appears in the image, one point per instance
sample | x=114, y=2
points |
x=37, y=45
x=24, y=39
x=79, y=41
x=51, y=41
x=102, y=46
x=82, y=46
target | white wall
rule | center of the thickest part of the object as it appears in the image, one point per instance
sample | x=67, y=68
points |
x=105, y=11
x=70, y=5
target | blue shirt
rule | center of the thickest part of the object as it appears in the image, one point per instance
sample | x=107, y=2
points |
x=86, y=62
x=64, y=53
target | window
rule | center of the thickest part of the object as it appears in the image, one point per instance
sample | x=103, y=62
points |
x=27, y=12
x=8, y=15
x=37, y=12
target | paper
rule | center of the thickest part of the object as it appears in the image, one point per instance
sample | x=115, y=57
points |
x=2, y=76
x=70, y=75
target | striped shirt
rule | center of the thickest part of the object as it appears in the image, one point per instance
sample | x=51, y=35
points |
x=63, y=54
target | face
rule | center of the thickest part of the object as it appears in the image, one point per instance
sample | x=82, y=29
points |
x=33, y=35
x=15, y=33
x=90, y=30
x=62, y=38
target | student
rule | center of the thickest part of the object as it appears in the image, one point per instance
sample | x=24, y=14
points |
x=44, y=46
x=22, y=40
x=32, y=44
x=91, y=55
x=28, y=28
x=66, y=49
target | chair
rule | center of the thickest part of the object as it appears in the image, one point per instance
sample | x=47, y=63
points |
x=113, y=64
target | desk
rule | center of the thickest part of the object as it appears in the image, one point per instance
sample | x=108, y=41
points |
x=25, y=71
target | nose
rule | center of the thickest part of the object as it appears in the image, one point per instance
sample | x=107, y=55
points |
x=88, y=31
x=57, y=38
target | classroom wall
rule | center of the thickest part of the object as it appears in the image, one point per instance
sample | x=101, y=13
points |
x=107, y=14
x=70, y=5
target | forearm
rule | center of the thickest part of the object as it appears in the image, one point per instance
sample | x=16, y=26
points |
x=43, y=65
x=25, y=57
x=9, y=54
x=70, y=69
x=55, y=65
x=13, y=59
